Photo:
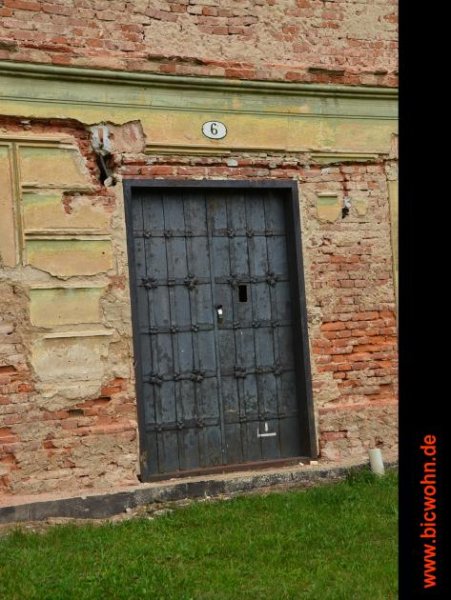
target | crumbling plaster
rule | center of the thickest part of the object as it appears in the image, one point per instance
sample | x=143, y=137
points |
x=76, y=326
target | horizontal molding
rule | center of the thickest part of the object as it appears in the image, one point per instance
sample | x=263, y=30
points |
x=42, y=141
x=261, y=116
x=175, y=81
x=320, y=157
x=194, y=149
x=79, y=285
x=68, y=187
x=67, y=234
x=142, y=106
x=331, y=157
x=74, y=334
x=88, y=282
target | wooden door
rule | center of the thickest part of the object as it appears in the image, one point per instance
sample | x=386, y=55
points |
x=214, y=328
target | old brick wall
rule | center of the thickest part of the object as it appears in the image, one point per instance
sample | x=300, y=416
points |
x=67, y=398
x=67, y=402
x=57, y=437
x=339, y=41
x=349, y=286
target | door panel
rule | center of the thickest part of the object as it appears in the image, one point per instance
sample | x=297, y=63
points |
x=250, y=268
x=214, y=390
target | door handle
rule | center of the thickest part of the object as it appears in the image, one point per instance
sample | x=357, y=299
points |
x=220, y=313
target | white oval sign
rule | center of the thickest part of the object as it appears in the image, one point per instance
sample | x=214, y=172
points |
x=214, y=130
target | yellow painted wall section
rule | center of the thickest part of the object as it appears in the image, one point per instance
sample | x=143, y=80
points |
x=53, y=167
x=70, y=257
x=65, y=306
x=8, y=253
x=328, y=207
x=43, y=211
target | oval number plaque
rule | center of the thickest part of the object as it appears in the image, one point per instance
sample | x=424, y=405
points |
x=214, y=130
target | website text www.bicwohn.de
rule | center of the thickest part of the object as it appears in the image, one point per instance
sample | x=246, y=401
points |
x=428, y=525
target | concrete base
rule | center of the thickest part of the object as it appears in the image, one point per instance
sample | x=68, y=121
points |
x=99, y=506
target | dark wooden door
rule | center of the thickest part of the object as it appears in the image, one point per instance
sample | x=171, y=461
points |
x=214, y=325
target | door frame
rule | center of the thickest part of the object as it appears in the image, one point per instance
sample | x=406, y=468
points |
x=289, y=192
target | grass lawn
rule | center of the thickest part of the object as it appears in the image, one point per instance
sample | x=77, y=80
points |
x=335, y=541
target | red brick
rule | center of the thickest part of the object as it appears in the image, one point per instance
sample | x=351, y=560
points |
x=340, y=357
x=57, y=9
x=360, y=356
x=25, y=387
x=23, y=5
x=209, y=11
x=326, y=368
x=343, y=334
x=368, y=348
x=341, y=343
x=320, y=344
x=333, y=435
x=239, y=73
x=320, y=360
x=7, y=436
x=160, y=170
x=332, y=326
x=169, y=68
x=360, y=327
x=365, y=316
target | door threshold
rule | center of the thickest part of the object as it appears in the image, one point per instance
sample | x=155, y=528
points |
x=259, y=465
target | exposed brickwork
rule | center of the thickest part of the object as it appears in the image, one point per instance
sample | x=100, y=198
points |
x=341, y=41
x=349, y=286
x=91, y=441
x=83, y=441
x=16, y=382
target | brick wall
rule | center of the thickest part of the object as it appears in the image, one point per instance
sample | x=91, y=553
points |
x=55, y=438
x=337, y=41
x=60, y=432
x=68, y=441
x=349, y=287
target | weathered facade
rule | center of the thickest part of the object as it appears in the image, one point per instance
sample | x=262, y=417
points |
x=95, y=93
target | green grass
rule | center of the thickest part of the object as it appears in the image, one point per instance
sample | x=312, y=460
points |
x=336, y=541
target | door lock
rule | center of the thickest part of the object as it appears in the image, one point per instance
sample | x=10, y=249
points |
x=220, y=313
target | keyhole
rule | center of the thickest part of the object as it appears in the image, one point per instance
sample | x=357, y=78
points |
x=242, y=293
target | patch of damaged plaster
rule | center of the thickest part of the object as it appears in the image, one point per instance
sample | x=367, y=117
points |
x=111, y=138
x=72, y=290
x=53, y=167
x=69, y=367
x=328, y=207
x=360, y=205
x=70, y=257
x=49, y=210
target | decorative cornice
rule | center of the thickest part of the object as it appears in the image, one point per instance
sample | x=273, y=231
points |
x=195, y=83
x=261, y=116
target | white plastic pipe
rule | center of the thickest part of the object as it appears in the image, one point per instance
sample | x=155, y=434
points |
x=376, y=461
